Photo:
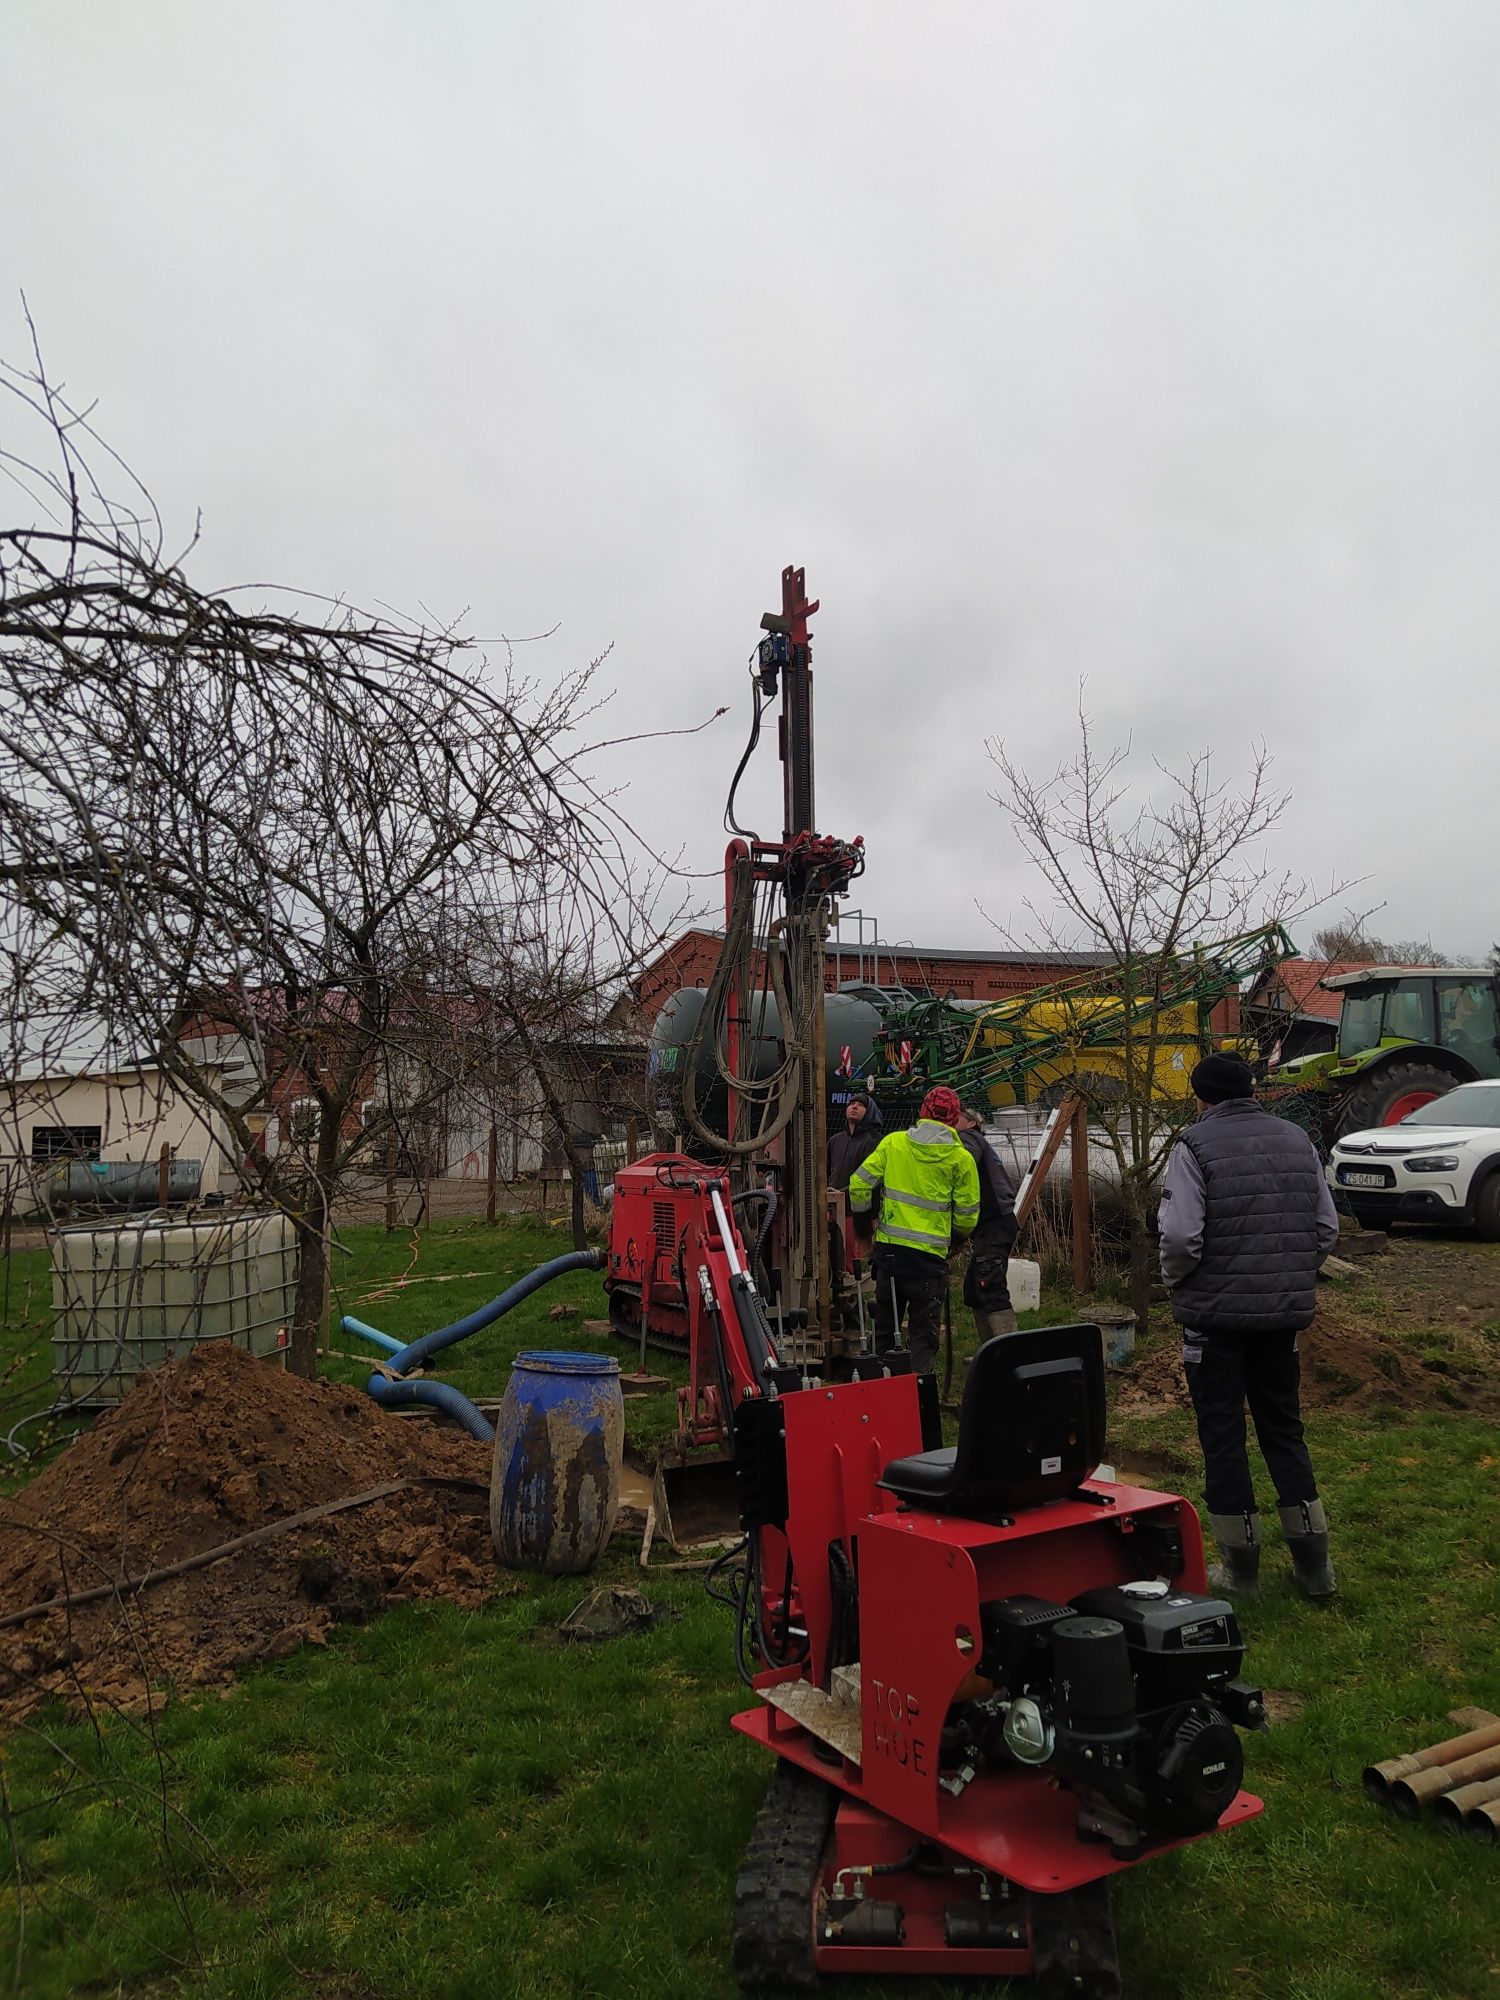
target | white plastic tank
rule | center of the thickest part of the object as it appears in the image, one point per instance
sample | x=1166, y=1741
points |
x=1017, y=1134
x=128, y=1295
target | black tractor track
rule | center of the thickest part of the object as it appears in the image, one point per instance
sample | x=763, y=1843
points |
x=778, y=1880
x=1073, y=1945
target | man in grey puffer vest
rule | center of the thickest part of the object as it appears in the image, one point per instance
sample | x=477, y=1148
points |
x=1246, y=1219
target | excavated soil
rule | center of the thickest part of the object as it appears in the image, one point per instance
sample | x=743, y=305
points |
x=1414, y=1332
x=211, y=1447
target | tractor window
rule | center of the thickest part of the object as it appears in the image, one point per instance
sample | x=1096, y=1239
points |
x=1359, y=1023
x=1408, y=1011
x=1466, y=1020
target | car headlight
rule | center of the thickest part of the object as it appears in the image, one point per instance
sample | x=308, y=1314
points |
x=1433, y=1163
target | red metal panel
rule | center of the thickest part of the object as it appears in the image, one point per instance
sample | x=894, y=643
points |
x=923, y=1577
x=838, y=1442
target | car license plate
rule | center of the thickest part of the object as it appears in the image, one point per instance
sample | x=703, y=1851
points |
x=1353, y=1178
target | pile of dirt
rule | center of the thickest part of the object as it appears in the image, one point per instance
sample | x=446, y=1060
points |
x=214, y=1446
x=1348, y=1363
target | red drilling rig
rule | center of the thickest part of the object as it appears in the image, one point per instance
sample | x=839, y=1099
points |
x=992, y=1677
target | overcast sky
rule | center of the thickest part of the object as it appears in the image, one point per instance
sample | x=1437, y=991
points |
x=1156, y=344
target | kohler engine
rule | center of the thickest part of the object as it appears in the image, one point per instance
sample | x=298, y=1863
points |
x=1128, y=1695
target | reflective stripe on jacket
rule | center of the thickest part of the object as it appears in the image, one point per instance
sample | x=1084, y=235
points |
x=930, y=1188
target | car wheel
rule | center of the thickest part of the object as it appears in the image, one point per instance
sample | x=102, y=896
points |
x=1487, y=1207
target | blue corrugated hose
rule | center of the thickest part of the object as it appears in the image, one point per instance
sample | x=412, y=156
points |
x=442, y=1395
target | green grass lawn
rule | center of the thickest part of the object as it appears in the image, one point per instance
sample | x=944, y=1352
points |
x=452, y=1804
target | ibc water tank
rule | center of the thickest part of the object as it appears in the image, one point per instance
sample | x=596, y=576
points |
x=128, y=1296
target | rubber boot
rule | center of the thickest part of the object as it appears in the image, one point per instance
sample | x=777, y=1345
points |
x=1305, y=1526
x=1238, y=1537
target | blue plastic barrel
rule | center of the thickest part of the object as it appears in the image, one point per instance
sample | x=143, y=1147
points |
x=555, y=1485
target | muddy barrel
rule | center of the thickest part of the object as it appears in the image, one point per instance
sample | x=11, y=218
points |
x=555, y=1484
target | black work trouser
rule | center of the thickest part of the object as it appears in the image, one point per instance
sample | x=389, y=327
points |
x=906, y=1289
x=1224, y=1373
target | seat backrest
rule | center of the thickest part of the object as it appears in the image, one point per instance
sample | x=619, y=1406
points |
x=1031, y=1425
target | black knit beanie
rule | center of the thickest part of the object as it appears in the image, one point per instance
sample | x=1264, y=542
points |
x=1217, y=1078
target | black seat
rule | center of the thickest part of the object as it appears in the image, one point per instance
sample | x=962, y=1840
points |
x=1031, y=1427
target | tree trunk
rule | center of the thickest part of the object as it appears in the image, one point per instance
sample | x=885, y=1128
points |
x=580, y=1238
x=1140, y=1261
x=312, y=1285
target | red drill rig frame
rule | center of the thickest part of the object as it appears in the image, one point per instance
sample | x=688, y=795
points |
x=992, y=1678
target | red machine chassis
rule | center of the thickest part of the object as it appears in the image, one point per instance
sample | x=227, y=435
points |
x=922, y=1579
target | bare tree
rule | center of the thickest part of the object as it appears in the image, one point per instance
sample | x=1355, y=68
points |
x=1349, y=943
x=232, y=823
x=1153, y=885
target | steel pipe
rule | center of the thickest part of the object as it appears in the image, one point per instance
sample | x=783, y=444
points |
x=1379, y=1778
x=1409, y=1795
x=1452, y=1807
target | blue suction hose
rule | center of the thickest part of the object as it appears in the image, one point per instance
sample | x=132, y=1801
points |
x=395, y=1395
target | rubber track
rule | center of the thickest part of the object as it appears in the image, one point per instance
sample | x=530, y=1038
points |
x=1073, y=1945
x=657, y=1343
x=773, y=1897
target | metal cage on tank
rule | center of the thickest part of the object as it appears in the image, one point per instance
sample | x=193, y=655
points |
x=128, y=1296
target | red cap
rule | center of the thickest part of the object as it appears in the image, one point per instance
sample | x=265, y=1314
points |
x=942, y=1104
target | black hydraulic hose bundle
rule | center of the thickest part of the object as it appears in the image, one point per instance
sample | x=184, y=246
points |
x=843, y=1638
x=766, y=1192
x=731, y=824
x=796, y=1027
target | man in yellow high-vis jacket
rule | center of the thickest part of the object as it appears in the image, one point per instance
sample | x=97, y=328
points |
x=929, y=1198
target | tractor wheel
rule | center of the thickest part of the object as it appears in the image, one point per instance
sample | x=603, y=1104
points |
x=1487, y=1207
x=1391, y=1094
x=1073, y=1945
x=778, y=1879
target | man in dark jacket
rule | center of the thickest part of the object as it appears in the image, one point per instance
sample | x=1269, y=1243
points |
x=849, y=1148
x=987, y=1280
x=1246, y=1219
x=854, y=1142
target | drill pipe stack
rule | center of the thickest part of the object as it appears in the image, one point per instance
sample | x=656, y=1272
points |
x=1459, y=1777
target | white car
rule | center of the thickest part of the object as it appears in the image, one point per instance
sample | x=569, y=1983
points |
x=1441, y=1163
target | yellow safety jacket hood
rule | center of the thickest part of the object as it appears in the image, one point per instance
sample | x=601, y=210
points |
x=929, y=1188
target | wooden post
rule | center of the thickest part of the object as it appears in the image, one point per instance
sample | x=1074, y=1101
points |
x=494, y=1176
x=390, y=1183
x=1083, y=1229
x=632, y=1141
x=1035, y=1177
x=164, y=1175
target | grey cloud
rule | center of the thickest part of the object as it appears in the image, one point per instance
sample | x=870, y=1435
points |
x=1149, y=344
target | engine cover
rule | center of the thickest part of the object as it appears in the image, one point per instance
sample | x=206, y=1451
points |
x=1181, y=1643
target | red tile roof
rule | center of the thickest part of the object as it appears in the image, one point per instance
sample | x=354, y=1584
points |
x=1293, y=985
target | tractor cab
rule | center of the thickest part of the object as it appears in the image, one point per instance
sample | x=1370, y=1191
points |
x=1407, y=1034
x=1455, y=1010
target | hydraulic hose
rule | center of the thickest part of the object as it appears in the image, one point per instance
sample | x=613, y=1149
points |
x=766, y=1192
